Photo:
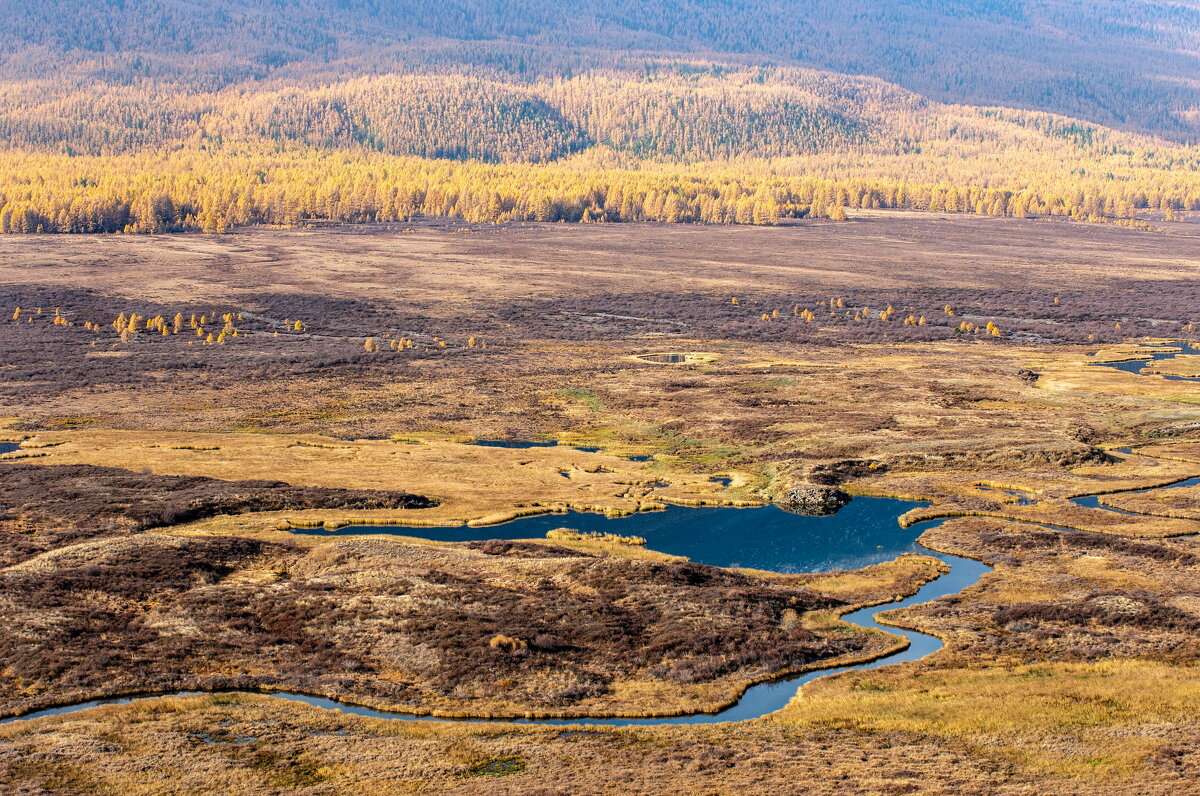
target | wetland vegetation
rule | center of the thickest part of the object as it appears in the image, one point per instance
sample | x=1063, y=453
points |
x=510, y=397
x=292, y=511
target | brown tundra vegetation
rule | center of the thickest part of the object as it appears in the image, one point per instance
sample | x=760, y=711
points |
x=152, y=486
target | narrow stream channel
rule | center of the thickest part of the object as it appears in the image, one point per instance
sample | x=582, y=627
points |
x=1093, y=501
x=758, y=700
x=1135, y=365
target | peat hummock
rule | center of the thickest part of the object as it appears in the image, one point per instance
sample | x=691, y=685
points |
x=54, y=505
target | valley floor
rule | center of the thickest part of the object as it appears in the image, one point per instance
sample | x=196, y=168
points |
x=147, y=540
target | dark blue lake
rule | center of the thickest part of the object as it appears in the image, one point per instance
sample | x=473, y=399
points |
x=864, y=532
x=515, y=443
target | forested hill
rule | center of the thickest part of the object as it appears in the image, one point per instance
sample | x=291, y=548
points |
x=176, y=115
x=1121, y=63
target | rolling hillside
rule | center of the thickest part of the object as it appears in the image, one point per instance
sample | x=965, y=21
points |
x=1123, y=64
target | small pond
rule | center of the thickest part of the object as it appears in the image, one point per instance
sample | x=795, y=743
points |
x=675, y=358
x=512, y=443
x=664, y=359
x=1022, y=498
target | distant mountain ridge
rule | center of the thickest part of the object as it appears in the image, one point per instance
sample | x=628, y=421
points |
x=1124, y=64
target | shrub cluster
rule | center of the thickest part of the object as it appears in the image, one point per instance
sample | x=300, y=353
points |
x=56, y=505
x=163, y=612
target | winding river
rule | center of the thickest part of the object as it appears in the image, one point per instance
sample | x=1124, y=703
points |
x=864, y=532
x=1093, y=501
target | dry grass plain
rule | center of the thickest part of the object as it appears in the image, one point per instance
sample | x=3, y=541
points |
x=450, y=267
x=1068, y=669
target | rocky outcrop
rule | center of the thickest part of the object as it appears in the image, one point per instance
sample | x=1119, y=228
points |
x=813, y=500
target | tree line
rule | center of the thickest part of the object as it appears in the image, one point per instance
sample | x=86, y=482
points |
x=212, y=192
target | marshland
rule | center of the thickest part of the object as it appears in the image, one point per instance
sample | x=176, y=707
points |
x=518, y=397
x=499, y=509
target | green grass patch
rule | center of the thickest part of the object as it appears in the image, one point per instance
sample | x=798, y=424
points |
x=284, y=771
x=870, y=685
x=74, y=422
x=497, y=767
x=585, y=397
